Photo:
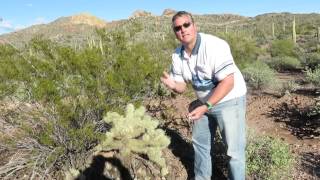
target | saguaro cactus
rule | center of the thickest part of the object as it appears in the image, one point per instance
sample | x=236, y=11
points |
x=101, y=47
x=318, y=34
x=273, y=30
x=294, y=35
x=284, y=26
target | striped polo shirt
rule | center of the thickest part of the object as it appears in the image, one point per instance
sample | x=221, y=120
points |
x=210, y=62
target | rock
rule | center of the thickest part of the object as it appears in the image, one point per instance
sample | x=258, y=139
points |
x=140, y=13
x=168, y=12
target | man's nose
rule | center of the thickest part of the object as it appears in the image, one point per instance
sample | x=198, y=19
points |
x=183, y=29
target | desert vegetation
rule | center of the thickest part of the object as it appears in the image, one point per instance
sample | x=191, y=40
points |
x=92, y=106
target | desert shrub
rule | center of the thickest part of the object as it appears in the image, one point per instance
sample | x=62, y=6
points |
x=8, y=51
x=314, y=111
x=75, y=88
x=305, y=29
x=313, y=76
x=312, y=60
x=288, y=87
x=244, y=49
x=9, y=73
x=268, y=158
x=282, y=48
x=284, y=63
x=259, y=75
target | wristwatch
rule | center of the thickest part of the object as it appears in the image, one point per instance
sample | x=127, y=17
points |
x=209, y=105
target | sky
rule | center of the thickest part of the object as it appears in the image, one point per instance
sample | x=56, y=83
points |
x=19, y=14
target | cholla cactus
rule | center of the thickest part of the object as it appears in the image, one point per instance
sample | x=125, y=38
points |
x=136, y=132
x=73, y=174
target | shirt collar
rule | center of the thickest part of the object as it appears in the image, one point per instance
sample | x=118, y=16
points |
x=195, y=50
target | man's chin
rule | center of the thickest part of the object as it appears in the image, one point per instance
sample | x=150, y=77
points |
x=185, y=41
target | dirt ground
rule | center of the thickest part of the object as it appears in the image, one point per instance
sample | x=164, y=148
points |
x=282, y=117
x=285, y=118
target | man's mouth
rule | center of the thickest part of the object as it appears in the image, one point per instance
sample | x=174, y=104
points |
x=184, y=35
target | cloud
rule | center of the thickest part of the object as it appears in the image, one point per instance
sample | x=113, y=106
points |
x=7, y=26
x=29, y=5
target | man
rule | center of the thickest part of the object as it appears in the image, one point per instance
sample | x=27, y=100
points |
x=207, y=63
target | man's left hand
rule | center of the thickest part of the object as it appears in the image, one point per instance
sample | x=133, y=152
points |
x=198, y=112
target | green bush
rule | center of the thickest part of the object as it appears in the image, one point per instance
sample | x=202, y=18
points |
x=312, y=60
x=259, y=75
x=314, y=111
x=76, y=87
x=268, y=158
x=282, y=48
x=313, y=76
x=284, y=63
x=244, y=49
x=288, y=87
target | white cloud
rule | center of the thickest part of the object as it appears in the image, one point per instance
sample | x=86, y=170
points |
x=7, y=26
x=29, y=5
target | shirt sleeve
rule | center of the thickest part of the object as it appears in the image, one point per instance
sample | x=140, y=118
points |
x=223, y=61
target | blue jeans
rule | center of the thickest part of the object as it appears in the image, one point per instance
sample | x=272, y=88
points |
x=230, y=117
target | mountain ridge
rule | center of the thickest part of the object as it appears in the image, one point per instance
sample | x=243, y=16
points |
x=77, y=28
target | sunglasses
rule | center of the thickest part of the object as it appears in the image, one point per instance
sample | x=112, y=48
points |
x=178, y=28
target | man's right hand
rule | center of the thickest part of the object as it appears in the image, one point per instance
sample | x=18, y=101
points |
x=167, y=80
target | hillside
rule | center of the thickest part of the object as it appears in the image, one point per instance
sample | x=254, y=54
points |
x=70, y=30
x=75, y=30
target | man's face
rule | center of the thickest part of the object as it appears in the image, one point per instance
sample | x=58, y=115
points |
x=184, y=30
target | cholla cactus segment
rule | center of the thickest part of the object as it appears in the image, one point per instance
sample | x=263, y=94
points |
x=136, y=132
x=72, y=174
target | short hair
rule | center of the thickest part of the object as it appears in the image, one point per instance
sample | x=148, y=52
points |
x=182, y=13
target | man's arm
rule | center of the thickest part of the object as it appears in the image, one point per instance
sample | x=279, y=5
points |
x=167, y=80
x=222, y=89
